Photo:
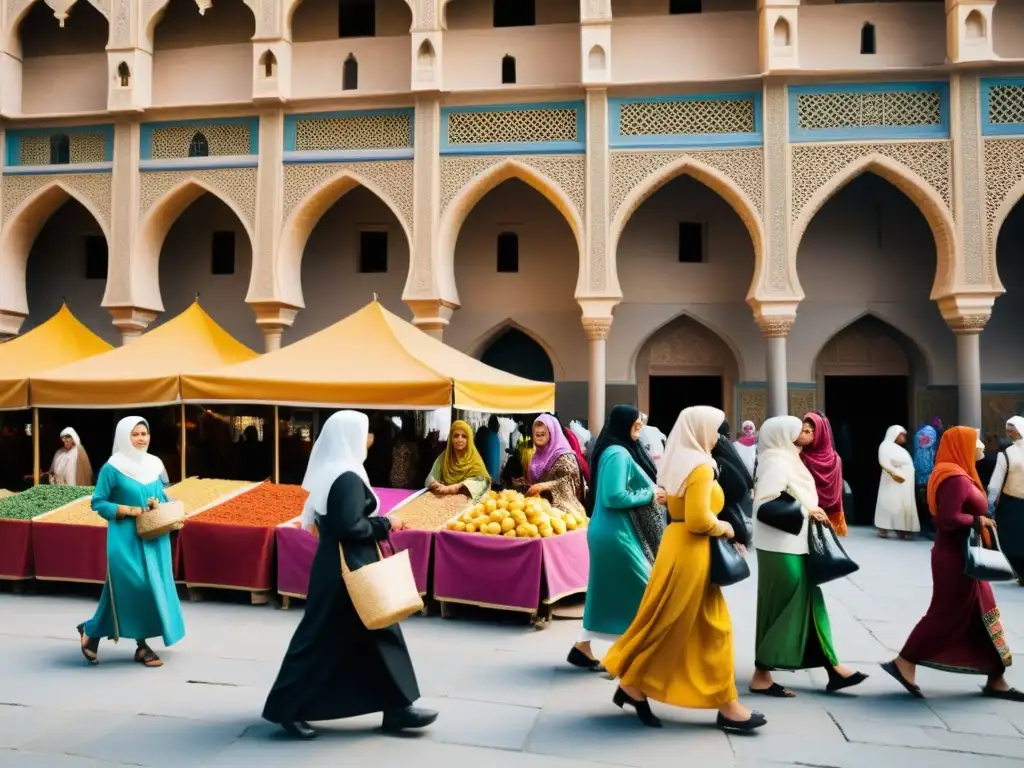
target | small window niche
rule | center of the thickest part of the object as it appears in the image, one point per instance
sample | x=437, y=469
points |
x=679, y=7
x=508, y=252
x=515, y=13
x=96, y=259
x=373, y=252
x=426, y=56
x=350, y=74
x=199, y=146
x=124, y=75
x=508, y=70
x=691, y=242
x=222, y=253
x=974, y=26
x=60, y=149
x=867, y=39
x=597, y=60
x=357, y=18
x=268, y=62
x=780, y=33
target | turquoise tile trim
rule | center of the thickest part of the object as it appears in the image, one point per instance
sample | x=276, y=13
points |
x=988, y=128
x=290, y=122
x=523, y=147
x=146, y=132
x=875, y=133
x=13, y=141
x=42, y=170
x=674, y=141
x=1005, y=388
x=803, y=385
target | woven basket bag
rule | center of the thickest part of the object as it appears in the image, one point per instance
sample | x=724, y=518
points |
x=384, y=592
x=168, y=516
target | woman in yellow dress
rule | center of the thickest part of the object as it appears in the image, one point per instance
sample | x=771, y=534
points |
x=678, y=650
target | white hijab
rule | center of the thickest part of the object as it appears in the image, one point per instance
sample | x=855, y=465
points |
x=130, y=461
x=779, y=468
x=340, y=448
x=64, y=469
x=1017, y=422
x=689, y=446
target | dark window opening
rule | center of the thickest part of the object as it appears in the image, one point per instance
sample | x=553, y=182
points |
x=199, y=146
x=95, y=257
x=691, y=242
x=508, y=69
x=867, y=38
x=373, y=252
x=222, y=253
x=350, y=74
x=508, y=252
x=357, y=18
x=515, y=13
x=60, y=149
x=684, y=6
x=124, y=74
x=269, y=62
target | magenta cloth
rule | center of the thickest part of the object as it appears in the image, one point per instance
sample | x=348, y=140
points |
x=574, y=442
x=748, y=436
x=296, y=548
x=566, y=565
x=825, y=466
x=15, y=549
x=66, y=552
x=557, y=446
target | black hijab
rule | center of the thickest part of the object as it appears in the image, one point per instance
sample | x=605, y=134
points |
x=617, y=432
x=725, y=452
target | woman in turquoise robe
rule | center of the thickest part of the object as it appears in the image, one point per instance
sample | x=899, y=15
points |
x=626, y=524
x=139, y=598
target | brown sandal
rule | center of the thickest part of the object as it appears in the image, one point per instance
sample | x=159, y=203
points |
x=146, y=657
x=89, y=645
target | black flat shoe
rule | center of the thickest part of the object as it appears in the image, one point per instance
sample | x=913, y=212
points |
x=642, y=708
x=579, y=659
x=755, y=721
x=299, y=730
x=893, y=671
x=774, y=691
x=407, y=719
x=837, y=682
x=1010, y=694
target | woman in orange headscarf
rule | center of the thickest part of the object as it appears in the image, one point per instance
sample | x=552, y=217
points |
x=961, y=632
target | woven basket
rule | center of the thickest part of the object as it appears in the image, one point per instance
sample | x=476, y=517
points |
x=167, y=517
x=384, y=592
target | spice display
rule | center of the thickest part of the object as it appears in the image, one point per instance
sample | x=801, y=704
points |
x=196, y=492
x=266, y=505
x=515, y=516
x=39, y=500
x=429, y=512
x=79, y=513
x=4, y=493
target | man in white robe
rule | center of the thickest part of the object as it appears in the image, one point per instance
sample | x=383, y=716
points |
x=896, y=509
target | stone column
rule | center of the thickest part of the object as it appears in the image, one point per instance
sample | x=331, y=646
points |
x=597, y=329
x=431, y=315
x=131, y=322
x=273, y=318
x=775, y=330
x=967, y=314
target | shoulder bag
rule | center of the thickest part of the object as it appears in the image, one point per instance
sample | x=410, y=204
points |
x=784, y=513
x=728, y=566
x=384, y=592
x=826, y=558
x=984, y=564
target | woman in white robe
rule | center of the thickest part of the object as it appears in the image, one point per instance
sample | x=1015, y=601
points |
x=70, y=464
x=896, y=509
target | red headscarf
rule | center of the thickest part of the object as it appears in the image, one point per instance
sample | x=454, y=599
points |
x=821, y=459
x=957, y=450
x=574, y=443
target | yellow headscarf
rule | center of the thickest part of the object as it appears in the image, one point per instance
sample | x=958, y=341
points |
x=455, y=469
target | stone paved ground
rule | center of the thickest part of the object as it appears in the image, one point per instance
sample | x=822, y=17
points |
x=506, y=697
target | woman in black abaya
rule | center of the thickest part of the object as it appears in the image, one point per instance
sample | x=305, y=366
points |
x=335, y=667
x=737, y=485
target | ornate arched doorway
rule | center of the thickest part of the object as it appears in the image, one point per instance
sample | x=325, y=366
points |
x=683, y=364
x=517, y=353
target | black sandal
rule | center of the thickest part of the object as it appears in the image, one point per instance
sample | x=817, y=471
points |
x=774, y=691
x=89, y=647
x=1010, y=694
x=894, y=672
x=145, y=656
x=837, y=682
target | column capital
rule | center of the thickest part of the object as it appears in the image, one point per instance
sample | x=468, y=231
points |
x=775, y=327
x=431, y=315
x=597, y=328
x=131, y=321
x=273, y=317
x=10, y=323
x=775, y=319
x=967, y=313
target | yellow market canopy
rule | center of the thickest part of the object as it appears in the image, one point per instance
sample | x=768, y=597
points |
x=60, y=340
x=371, y=359
x=144, y=372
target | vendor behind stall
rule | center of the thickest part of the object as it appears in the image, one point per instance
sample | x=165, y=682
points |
x=460, y=469
x=554, y=469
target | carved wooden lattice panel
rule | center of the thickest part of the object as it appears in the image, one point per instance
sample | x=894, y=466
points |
x=885, y=109
x=674, y=118
x=363, y=132
x=514, y=126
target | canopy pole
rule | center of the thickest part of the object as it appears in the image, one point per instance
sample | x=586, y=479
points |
x=184, y=441
x=277, y=446
x=35, y=447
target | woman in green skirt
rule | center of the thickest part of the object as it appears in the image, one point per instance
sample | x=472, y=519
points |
x=793, y=629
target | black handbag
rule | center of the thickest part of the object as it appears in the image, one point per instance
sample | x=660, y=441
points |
x=728, y=566
x=784, y=513
x=984, y=564
x=733, y=516
x=826, y=558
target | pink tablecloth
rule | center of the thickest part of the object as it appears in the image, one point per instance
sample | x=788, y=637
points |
x=509, y=574
x=295, y=549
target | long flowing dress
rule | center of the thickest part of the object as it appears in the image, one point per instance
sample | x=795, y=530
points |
x=962, y=630
x=139, y=599
x=737, y=484
x=619, y=566
x=1006, y=500
x=567, y=483
x=896, y=508
x=335, y=667
x=679, y=648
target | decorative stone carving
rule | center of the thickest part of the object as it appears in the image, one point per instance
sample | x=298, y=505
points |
x=970, y=203
x=1004, y=171
x=234, y=185
x=94, y=188
x=597, y=184
x=597, y=328
x=753, y=405
x=802, y=401
x=426, y=14
x=968, y=323
x=426, y=180
x=775, y=327
x=685, y=343
x=122, y=24
x=863, y=350
x=776, y=171
x=392, y=178
x=568, y=172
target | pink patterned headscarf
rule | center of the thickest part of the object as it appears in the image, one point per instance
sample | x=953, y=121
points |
x=821, y=459
x=748, y=434
x=557, y=446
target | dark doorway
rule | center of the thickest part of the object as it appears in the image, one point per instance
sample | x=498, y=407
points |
x=671, y=394
x=861, y=409
x=516, y=353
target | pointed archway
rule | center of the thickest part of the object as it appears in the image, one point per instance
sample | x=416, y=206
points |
x=517, y=353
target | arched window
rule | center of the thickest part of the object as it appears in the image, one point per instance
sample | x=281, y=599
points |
x=124, y=74
x=269, y=63
x=198, y=147
x=508, y=70
x=350, y=74
x=60, y=149
x=867, y=38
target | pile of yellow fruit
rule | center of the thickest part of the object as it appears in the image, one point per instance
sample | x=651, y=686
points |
x=513, y=515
